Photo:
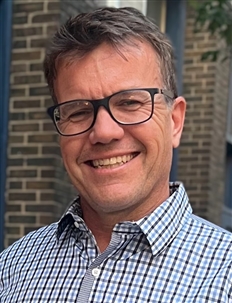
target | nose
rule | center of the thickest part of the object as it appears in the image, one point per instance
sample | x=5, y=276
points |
x=105, y=129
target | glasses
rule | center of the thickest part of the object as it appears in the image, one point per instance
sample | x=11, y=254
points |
x=128, y=107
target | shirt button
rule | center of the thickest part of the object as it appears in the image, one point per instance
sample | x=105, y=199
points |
x=76, y=224
x=96, y=272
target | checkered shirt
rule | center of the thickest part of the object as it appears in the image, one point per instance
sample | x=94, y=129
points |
x=168, y=256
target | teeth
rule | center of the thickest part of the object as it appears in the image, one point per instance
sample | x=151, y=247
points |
x=112, y=162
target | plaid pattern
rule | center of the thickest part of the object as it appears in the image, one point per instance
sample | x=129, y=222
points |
x=169, y=256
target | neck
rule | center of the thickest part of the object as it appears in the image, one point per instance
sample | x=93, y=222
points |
x=101, y=221
x=101, y=227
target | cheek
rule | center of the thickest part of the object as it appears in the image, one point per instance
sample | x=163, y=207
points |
x=159, y=148
x=70, y=151
x=160, y=131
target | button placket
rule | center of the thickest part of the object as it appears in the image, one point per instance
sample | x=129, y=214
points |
x=96, y=272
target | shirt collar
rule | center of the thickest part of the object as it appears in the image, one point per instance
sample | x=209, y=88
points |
x=73, y=211
x=160, y=227
x=165, y=222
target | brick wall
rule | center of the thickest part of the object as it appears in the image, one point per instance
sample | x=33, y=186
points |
x=218, y=147
x=32, y=148
x=202, y=151
x=70, y=8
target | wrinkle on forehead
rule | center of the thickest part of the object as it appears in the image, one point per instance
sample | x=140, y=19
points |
x=133, y=47
x=105, y=71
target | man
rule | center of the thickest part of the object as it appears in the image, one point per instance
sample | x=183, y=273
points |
x=130, y=236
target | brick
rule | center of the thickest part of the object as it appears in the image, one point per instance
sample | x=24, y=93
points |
x=45, y=220
x=28, y=229
x=27, y=31
x=22, y=219
x=48, y=102
x=39, y=91
x=15, y=139
x=53, y=6
x=207, y=45
x=20, y=196
x=36, y=66
x=38, y=115
x=11, y=240
x=198, y=69
x=51, y=150
x=48, y=126
x=41, y=138
x=47, y=196
x=41, y=161
x=190, y=144
x=23, y=173
x=188, y=61
x=194, y=98
x=28, y=7
x=39, y=185
x=42, y=208
x=27, y=104
x=25, y=127
x=15, y=185
x=13, y=207
x=19, y=19
x=26, y=55
x=51, y=29
x=48, y=173
x=16, y=116
x=27, y=79
x=45, y=17
x=202, y=121
x=18, y=67
x=19, y=44
x=14, y=162
x=39, y=42
x=211, y=68
x=17, y=92
x=10, y=230
x=24, y=150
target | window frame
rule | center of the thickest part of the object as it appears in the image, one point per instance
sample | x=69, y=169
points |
x=5, y=59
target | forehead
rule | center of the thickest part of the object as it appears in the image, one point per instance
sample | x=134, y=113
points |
x=140, y=49
x=107, y=70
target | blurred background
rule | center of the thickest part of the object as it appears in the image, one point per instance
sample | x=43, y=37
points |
x=35, y=189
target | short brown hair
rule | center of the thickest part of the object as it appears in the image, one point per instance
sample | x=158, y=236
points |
x=116, y=26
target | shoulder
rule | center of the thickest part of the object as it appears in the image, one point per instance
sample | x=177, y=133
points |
x=208, y=236
x=210, y=227
x=29, y=244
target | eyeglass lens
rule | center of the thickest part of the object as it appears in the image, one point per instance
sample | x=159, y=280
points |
x=127, y=107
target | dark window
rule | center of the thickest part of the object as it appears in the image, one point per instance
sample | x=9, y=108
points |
x=5, y=51
x=228, y=185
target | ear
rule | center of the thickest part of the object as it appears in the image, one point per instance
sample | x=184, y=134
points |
x=178, y=116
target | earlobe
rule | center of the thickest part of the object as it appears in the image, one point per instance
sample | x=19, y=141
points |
x=178, y=116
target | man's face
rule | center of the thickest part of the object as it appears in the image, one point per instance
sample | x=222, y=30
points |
x=138, y=182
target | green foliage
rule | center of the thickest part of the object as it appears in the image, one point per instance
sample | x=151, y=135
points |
x=216, y=17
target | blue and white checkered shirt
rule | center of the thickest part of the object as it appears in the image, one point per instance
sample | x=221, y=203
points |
x=168, y=256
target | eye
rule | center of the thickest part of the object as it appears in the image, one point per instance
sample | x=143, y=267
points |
x=130, y=103
x=75, y=111
x=127, y=104
x=79, y=115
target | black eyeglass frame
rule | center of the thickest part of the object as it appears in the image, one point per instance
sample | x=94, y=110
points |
x=105, y=103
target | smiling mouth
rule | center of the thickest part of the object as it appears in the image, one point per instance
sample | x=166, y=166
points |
x=112, y=162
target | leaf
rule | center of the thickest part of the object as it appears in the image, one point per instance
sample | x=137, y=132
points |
x=216, y=17
x=210, y=55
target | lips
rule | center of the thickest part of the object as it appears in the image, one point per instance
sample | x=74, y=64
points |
x=112, y=162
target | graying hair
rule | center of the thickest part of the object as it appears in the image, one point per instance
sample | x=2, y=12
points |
x=116, y=26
